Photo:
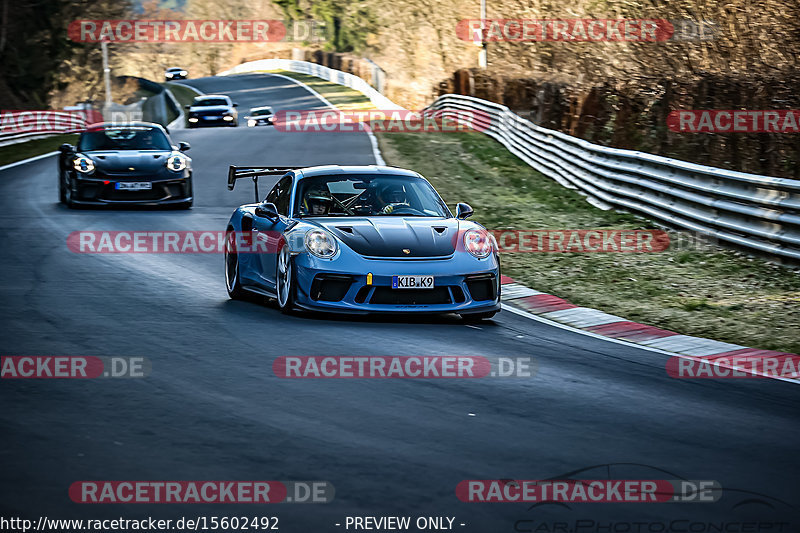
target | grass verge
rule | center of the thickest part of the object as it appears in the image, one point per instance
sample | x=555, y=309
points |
x=23, y=150
x=706, y=291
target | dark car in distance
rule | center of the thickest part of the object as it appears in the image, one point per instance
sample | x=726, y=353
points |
x=260, y=116
x=175, y=73
x=124, y=164
x=212, y=110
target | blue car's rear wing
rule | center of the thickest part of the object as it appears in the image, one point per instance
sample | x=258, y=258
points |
x=235, y=173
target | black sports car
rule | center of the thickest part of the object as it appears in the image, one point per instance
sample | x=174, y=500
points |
x=132, y=163
x=212, y=110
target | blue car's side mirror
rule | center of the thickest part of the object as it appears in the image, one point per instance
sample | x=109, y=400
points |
x=463, y=211
x=267, y=210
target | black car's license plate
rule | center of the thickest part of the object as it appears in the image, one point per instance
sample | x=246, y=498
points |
x=133, y=186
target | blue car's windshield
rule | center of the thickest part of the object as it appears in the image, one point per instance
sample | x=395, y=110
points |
x=124, y=138
x=368, y=195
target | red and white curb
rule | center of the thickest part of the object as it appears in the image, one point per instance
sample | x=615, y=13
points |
x=599, y=324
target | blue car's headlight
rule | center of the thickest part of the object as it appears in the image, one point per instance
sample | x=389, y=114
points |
x=176, y=162
x=320, y=243
x=478, y=243
x=83, y=164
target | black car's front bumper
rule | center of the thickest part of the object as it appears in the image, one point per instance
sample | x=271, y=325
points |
x=103, y=191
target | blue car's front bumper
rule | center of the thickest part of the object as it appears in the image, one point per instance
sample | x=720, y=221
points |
x=462, y=284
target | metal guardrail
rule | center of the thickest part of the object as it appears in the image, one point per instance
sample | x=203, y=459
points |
x=162, y=107
x=329, y=74
x=180, y=121
x=756, y=212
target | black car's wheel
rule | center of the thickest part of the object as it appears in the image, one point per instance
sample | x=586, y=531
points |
x=65, y=192
x=284, y=281
x=477, y=317
x=188, y=191
x=62, y=193
x=232, y=281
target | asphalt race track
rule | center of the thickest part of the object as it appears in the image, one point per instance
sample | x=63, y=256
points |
x=212, y=409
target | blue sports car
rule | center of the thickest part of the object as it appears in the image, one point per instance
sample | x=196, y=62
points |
x=359, y=239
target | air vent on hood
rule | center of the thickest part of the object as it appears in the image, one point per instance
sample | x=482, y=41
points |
x=346, y=229
x=440, y=229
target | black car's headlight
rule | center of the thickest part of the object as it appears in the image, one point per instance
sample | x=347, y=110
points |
x=320, y=243
x=176, y=162
x=83, y=164
x=478, y=243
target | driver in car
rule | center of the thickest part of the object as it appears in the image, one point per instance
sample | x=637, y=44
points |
x=147, y=141
x=317, y=201
x=392, y=196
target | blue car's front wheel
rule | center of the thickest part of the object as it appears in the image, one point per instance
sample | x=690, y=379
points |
x=232, y=281
x=284, y=281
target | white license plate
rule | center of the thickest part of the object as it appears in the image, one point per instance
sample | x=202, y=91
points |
x=412, y=282
x=134, y=186
x=212, y=117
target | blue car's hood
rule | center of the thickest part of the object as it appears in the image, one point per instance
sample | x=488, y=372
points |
x=388, y=236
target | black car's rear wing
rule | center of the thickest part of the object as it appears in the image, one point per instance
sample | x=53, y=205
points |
x=235, y=173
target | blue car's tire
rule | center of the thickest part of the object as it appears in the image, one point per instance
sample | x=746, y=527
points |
x=285, y=285
x=232, y=281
